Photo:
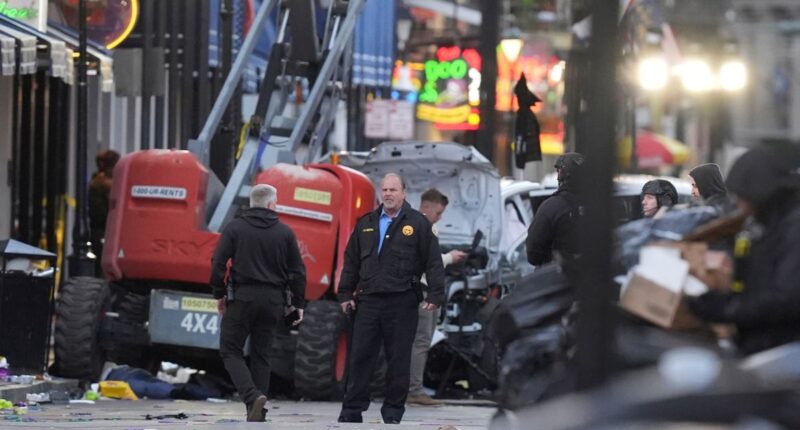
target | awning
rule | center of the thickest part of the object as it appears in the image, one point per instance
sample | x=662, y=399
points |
x=8, y=55
x=25, y=58
x=242, y=15
x=373, y=55
x=104, y=59
x=62, y=46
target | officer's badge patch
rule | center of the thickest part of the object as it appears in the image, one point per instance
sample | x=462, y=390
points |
x=408, y=230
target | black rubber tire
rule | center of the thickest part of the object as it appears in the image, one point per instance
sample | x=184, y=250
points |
x=133, y=309
x=315, y=356
x=79, y=310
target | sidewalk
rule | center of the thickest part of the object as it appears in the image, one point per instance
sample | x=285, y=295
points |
x=283, y=415
x=16, y=392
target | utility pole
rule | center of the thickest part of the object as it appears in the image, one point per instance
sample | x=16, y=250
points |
x=82, y=261
x=224, y=143
x=596, y=317
x=490, y=37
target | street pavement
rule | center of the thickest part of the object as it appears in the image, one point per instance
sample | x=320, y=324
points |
x=290, y=415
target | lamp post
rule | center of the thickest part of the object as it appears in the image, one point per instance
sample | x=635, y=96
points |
x=488, y=89
x=82, y=259
x=511, y=47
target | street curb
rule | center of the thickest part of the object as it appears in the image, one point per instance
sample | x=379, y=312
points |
x=17, y=393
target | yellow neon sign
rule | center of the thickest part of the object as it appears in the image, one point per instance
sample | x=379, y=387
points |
x=131, y=23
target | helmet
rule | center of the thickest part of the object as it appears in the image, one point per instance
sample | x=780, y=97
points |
x=568, y=165
x=665, y=192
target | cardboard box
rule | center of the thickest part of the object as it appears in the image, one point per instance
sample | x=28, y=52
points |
x=713, y=268
x=693, y=253
x=719, y=270
x=658, y=304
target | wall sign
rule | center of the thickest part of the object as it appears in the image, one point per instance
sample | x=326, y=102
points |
x=450, y=94
x=31, y=12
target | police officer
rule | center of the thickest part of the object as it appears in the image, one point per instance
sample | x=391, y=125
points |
x=265, y=260
x=554, y=227
x=387, y=253
x=656, y=194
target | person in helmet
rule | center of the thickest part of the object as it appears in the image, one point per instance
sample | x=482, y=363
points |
x=657, y=194
x=553, y=230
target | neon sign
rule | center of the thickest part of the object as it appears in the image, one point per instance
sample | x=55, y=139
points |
x=450, y=96
x=18, y=12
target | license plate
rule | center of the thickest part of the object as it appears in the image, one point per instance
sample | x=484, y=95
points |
x=186, y=319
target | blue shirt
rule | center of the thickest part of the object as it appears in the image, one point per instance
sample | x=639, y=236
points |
x=383, y=225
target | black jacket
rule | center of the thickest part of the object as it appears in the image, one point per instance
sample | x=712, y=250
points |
x=766, y=311
x=263, y=251
x=554, y=228
x=409, y=249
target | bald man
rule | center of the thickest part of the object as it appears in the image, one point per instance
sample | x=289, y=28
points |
x=387, y=253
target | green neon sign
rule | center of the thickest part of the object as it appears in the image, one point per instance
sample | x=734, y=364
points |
x=18, y=12
x=436, y=70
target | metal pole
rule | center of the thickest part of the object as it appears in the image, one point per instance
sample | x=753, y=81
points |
x=82, y=261
x=632, y=123
x=595, y=320
x=490, y=35
x=200, y=146
x=146, y=8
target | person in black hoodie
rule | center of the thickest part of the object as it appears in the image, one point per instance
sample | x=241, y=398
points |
x=765, y=312
x=554, y=227
x=265, y=261
x=708, y=187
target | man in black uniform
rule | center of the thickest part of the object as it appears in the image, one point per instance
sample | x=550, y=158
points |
x=265, y=260
x=387, y=253
x=554, y=227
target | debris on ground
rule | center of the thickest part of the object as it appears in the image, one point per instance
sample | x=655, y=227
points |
x=59, y=397
x=117, y=390
x=178, y=416
x=38, y=397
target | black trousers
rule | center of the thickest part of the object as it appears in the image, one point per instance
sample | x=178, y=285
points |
x=391, y=318
x=254, y=312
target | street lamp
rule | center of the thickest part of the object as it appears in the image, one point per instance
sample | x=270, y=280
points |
x=511, y=45
x=556, y=74
x=653, y=73
x=404, y=26
x=696, y=76
x=733, y=76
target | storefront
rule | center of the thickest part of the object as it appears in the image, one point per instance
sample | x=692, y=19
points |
x=37, y=135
